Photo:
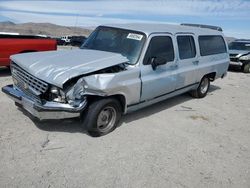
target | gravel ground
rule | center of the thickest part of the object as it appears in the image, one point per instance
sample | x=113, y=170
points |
x=181, y=142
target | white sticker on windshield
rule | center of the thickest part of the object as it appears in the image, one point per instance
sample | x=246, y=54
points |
x=134, y=36
x=247, y=45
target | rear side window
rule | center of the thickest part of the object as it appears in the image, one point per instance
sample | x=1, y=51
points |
x=186, y=47
x=210, y=45
x=160, y=46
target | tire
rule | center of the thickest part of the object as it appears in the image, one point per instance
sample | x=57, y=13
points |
x=102, y=116
x=246, y=68
x=203, y=88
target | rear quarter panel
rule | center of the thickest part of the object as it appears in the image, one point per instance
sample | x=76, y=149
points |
x=213, y=64
x=217, y=63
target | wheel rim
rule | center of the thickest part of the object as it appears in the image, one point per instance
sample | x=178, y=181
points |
x=106, y=119
x=204, y=85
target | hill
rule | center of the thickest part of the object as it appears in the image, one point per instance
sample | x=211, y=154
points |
x=51, y=29
x=42, y=29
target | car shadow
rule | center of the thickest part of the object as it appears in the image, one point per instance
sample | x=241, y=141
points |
x=235, y=69
x=4, y=72
x=75, y=125
x=213, y=88
x=63, y=125
x=67, y=125
x=163, y=105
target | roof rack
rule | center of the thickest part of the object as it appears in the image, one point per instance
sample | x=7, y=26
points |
x=203, y=26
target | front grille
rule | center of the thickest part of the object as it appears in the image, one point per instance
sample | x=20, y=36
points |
x=233, y=55
x=30, y=85
x=234, y=59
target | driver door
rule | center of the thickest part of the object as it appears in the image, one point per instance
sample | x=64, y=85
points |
x=162, y=80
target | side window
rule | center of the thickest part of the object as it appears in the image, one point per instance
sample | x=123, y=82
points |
x=160, y=46
x=186, y=47
x=210, y=45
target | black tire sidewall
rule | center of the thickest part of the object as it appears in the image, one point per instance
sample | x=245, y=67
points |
x=91, y=114
x=200, y=94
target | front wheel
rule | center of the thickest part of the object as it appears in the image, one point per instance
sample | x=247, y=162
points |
x=203, y=88
x=102, y=116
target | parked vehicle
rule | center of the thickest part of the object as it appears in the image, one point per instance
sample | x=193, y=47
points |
x=59, y=41
x=71, y=40
x=119, y=69
x=240, y=54
x=77, y=40
x=15, y=44
x=66, y=40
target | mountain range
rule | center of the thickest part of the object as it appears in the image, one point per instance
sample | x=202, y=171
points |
x=51, y=30
x=48, y=29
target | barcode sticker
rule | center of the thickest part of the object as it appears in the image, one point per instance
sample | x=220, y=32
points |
x=134, y=36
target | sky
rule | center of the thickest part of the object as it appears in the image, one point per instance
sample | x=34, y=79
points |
x=232, y=15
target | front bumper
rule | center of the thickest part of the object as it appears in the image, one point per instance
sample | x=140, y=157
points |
x=235, y=63
x=49, y=110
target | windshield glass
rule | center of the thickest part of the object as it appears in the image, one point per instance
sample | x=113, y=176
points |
x=125, y=42
x=239, y=46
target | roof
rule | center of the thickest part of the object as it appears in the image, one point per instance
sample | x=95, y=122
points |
x=149, y=28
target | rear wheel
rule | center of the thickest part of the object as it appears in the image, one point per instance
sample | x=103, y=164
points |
x=203, y=88
x=102, y=116
x=246, y=68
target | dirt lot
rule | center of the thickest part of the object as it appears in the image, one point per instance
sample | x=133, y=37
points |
x=182, y=142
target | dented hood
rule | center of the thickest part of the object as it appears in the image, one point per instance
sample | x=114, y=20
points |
x=57, y=67
x=238, y=52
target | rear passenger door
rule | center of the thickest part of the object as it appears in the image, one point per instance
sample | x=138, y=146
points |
x=162, y=80
x=187, y=60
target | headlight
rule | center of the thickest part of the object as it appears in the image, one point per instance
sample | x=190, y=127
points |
x=57, y=94
x=245, y=58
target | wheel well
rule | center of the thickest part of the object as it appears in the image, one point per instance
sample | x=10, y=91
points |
x=118, y=97
x=211, y=76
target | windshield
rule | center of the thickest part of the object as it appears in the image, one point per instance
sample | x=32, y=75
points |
x=125, y=42
x=239, y=46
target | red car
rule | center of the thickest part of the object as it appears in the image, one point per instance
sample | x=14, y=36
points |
x=10, y=45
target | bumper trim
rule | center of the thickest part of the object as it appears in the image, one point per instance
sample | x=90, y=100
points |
x=8, y=90
x=49, y=110
x=234, y=63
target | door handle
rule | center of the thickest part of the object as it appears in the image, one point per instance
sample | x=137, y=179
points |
x=196, y=62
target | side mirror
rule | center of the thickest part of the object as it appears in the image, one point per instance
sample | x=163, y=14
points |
x=156, y=61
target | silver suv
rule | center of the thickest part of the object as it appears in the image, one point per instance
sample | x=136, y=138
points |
x=119, y=69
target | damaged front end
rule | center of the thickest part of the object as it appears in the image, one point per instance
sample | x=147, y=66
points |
x=79, y=89
x=45, y=101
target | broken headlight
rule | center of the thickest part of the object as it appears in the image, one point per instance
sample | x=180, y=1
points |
x=57, y=95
